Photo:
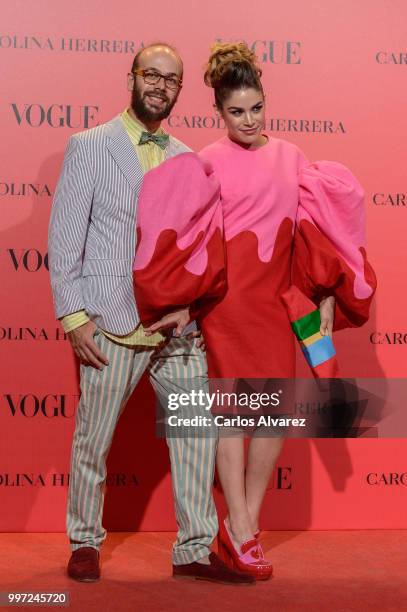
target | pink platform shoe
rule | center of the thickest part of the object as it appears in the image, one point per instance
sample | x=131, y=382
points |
x=249, y=559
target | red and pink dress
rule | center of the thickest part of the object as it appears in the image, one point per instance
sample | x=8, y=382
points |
x=254, y=238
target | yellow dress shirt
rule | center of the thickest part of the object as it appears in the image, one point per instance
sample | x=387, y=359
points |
x=150, y=155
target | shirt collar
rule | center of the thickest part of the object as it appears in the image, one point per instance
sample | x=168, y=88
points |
x=135, y=127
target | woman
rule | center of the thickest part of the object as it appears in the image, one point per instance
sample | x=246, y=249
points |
x=244, y=197
x=267, y=186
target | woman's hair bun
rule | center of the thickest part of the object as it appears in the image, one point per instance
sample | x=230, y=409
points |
x=225, y=56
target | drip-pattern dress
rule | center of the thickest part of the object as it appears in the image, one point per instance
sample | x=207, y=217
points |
x=254, y=239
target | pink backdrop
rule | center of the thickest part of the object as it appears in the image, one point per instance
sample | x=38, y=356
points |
x=335, y=79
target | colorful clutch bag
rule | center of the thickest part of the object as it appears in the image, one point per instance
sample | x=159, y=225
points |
x=305, y=319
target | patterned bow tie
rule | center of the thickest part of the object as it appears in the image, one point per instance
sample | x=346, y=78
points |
x=160, y=140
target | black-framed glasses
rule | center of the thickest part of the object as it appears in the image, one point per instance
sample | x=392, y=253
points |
x=152, y=77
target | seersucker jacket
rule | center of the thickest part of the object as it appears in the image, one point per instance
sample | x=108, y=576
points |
x=92, y=231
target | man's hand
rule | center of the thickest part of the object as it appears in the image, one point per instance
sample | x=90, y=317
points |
x=327, y=309
x=82, y=343
x=178, y=319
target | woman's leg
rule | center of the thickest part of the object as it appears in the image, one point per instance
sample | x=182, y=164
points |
x=230, y=465
x=262, y=456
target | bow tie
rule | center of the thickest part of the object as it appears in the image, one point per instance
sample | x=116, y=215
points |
x=160, y=140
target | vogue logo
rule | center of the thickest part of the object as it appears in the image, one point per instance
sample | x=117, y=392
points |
x=273, y=51
x=31, y=333
x=30, y=260
x=281, y=479
x=305, y=126
x=25, y=189
x=388, y=338
x=391, y=478
x=391, y=57
x=49, y=405
x=56, y=115
x=60, y=480
x=84, y=45
x=390, y=199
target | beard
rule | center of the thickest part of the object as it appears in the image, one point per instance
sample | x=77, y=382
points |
x=145, y=113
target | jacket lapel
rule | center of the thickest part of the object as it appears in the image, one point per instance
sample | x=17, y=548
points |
x=122, y=151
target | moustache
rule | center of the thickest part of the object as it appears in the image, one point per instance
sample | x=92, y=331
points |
x=156, y=94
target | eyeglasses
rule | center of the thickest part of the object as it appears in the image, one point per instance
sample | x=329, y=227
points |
x=152, y=77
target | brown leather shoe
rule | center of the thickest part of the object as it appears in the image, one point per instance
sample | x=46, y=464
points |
x=215, y=571
x=84, y=564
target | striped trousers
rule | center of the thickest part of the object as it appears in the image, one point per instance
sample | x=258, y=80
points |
x=175, y=367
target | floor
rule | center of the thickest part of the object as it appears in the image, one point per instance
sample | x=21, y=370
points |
x=333, y=571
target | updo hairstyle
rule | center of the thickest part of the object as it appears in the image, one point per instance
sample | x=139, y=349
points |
x=231, y=66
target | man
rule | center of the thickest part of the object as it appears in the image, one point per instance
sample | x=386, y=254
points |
x=91, y=246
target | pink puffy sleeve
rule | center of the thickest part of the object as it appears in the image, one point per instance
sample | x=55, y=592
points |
x=179, y=258
x=329, y=256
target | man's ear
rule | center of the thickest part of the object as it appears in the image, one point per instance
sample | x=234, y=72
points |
x=130, y=81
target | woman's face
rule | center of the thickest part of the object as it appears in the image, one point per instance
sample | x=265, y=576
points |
x=243, y=113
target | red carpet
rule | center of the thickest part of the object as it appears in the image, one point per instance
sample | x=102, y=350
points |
x=332, y=571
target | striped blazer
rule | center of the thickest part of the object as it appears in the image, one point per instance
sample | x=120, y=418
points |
x=92, y=231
